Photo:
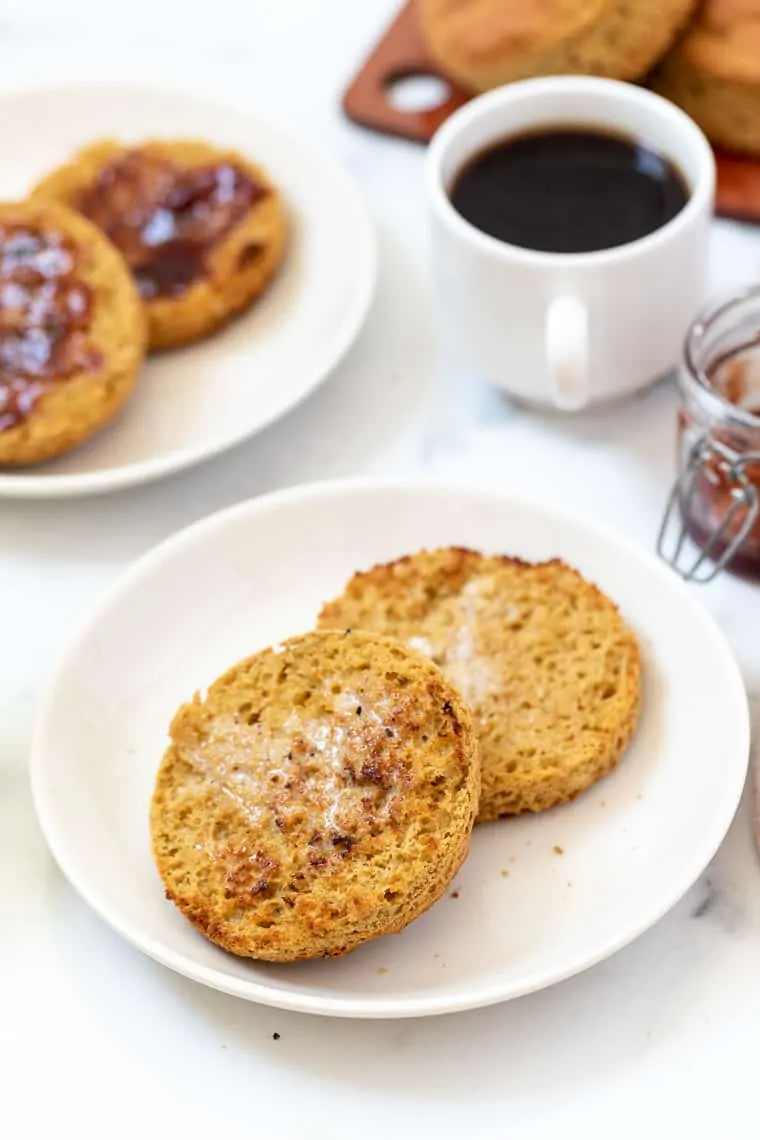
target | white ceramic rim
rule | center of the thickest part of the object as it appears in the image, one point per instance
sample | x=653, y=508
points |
x=521, y=93
x=23, y=485
x=486, y=995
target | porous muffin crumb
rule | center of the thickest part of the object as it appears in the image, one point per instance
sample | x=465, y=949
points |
x=542, y=656
x=321, y=794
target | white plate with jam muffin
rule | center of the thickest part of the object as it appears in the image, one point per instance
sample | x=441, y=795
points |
x=541, y=895
x=252, y=254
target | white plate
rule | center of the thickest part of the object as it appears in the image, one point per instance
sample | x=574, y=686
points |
x=256, y=573
x=196, y=402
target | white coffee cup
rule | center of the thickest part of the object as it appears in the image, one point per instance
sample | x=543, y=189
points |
x=566, y=329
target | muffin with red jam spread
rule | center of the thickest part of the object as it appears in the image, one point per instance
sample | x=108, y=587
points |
x=202, y=229
x=72, y=331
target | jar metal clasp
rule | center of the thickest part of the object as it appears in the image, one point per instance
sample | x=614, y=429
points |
x=711, y=459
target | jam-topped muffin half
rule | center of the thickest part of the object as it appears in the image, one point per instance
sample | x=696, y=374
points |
x=72, y=331
x=201, y=229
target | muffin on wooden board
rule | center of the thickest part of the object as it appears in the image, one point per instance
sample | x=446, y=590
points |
x=713, y=72
x=72, y=331
x=202, y=229
x=485, y=43
x=321, y=794
x=546, y=663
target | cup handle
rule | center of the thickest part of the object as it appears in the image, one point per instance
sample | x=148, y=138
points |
x=566, y=339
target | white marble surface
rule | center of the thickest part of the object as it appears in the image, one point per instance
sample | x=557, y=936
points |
x=663, y=1039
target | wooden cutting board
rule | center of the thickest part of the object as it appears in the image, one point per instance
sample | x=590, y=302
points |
x=401, y=53
x=754, y=771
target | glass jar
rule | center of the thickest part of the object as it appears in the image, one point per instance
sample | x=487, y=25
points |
x=716, y=498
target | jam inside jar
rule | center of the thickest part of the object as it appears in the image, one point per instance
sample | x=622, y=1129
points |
x=717, y=494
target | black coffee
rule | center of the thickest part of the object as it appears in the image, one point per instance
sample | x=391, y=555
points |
x=568, y=191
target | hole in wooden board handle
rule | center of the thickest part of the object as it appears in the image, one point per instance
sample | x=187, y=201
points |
x=415, y=91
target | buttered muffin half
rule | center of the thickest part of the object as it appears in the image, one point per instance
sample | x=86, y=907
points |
x=322, y=793
x=543, y=658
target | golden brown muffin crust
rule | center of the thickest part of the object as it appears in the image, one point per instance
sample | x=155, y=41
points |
x=485, y=43
x=322, y=793
x=724, y=39
x=543, y=658
x=506, y=32
x=713, y=73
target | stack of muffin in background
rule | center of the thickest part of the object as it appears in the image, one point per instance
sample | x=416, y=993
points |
x=704, y=56
x=713, y=72
x=324, y=791
x=120, y=251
